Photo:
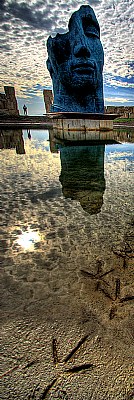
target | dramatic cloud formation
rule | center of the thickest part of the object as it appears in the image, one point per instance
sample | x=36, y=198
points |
x=24, y=29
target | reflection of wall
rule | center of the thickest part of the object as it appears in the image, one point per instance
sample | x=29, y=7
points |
x=11, y=139
x=8, y=102
x=53, y=142
x=124, y=135
x=82, y=175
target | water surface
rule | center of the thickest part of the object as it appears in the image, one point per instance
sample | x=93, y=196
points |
x=67, y=233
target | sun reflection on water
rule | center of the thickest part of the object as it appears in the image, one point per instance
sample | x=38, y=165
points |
x=28, y=239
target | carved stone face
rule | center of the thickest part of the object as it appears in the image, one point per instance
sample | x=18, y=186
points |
x=75, y=62
x=83, y=67
x=76, y=57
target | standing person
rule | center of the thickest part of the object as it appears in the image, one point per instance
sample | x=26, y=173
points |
x=25, y=109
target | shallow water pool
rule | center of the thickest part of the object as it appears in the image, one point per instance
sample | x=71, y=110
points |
x=67, y=233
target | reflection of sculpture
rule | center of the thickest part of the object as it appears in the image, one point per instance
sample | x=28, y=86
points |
x=75, y=62
x=82, y=175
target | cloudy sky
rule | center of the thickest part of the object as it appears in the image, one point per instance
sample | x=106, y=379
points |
x=24, y=28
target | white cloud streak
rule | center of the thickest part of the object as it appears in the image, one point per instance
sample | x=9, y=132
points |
x=116, y=100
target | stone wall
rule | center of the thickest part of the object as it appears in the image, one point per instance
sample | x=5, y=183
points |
x=123, y=111
x=48, y=99
x=126, y=112
x=8, y=102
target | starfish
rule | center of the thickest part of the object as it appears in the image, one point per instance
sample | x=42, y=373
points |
x=63, y=369
x=116, y=299
x=125, y=254
x=98, y=277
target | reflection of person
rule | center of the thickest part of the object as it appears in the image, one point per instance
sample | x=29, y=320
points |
x=25, y=109
x=28, y=134
x=75, y=62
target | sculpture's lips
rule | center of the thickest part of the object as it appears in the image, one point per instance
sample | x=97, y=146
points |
x=83, y=67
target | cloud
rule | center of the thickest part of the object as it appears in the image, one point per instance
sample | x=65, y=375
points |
x=25, y=27
x=117, y=100
x=6, y=27
x=2, y=6
x=5, y=47
x=117, y=81
x=29, y=14
x=116, y=34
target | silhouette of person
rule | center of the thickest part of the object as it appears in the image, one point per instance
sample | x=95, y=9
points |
x=25, y=109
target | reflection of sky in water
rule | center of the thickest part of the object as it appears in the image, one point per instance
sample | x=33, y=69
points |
x=36, y=193
x=58, y=217
x=39, y=138
x=47, y=240
x=39, y=135
x=123, y=152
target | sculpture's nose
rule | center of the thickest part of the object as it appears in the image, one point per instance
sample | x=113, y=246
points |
x=81, y=50
x=80, y=45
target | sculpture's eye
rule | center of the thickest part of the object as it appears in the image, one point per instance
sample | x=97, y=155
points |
x=61, y=48
x=90, y=33
x=90, y=28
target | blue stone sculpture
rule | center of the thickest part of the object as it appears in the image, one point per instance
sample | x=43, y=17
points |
x=75, y=62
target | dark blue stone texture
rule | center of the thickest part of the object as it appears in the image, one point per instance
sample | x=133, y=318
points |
x=75, y=62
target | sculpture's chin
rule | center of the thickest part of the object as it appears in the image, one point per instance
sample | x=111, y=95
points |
x=80, y=77
x=84, y=81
